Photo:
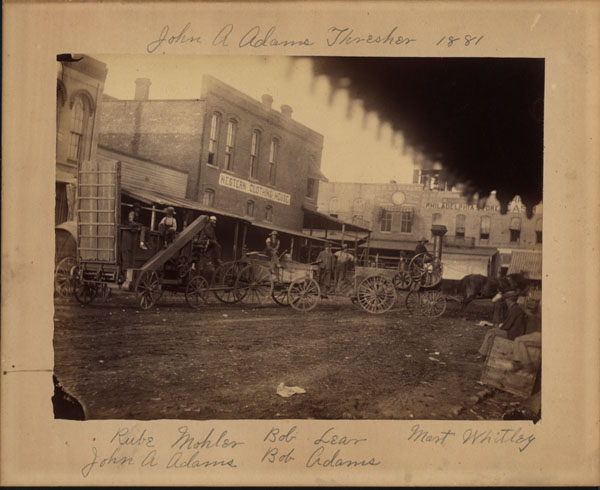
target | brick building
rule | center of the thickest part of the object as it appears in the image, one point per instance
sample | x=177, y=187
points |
x=241, y=155
x=79, y=90
x=477, y=241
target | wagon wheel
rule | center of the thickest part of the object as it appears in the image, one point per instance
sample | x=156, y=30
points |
x=433, y=303
x=224, y=281
x=417, y=267
x=63, y=277
x=148, y=289
x=402, y=280
x=413, y=302
x=304, y=294
x=376, y=294
x=254, y=284
x=196, y=292
x=280, y=296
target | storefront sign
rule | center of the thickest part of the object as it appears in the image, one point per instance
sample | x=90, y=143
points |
x=254, y=189
x=461, y=206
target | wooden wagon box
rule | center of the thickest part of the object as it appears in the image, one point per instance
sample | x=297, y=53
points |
x=290, y=271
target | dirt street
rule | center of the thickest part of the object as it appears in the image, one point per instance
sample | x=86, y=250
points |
x=226, y=361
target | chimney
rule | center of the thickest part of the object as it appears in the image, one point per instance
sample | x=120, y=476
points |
x=267, y=101
x=286, y=110
x=142, y=88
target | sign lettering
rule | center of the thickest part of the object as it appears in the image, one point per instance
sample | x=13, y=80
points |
x=254, y=189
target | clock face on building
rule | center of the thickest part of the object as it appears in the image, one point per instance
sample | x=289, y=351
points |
x=398, y=197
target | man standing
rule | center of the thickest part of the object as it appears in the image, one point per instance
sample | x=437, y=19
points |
x=344, y=259
x=134, y=220
x=513, y=327
x=272, y=249
x=422, y=249
x=325, y=261
x=168, y=226
x=208, y=240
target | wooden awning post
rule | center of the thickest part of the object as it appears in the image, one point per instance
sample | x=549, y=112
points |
x=292, y=248
x=309, y=251
x=343, y=231
x=236, y=229
x=153, y=219
x=368, y=247
x=244, y=231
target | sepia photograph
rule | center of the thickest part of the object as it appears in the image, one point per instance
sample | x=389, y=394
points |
x=310, y=237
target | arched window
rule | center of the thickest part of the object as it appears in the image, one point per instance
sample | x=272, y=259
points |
x=333, y=205
x=515, y=229
x=213, y=142
x=273, y=153
x=460, y=226
x=254, y=146
x=359, y=205
x=484, y=228
x=80, y=115
x=208, y=198
x=268, y=212
x=250, y=208
x=230, y=143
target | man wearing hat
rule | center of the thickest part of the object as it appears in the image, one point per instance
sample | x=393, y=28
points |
x=168, y=226
x=513, y=326
x=134, y=220
x=272, y=249
x=325, y=261
x=422, y=249
x=208, y=240
x=343, y=261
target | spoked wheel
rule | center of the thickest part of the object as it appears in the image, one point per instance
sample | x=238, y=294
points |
x=376, y=294
x=148, y=289
x=304, y=294
x=433, y=303
x=63, y=277
x=280, y=296
x=427, y=273
x=196, y=292
x=184, y=266
x=402, y=280
x=413, y=302
x=224, y=282
x=254, y=284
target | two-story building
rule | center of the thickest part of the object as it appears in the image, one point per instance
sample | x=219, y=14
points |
x=479, y=239
x=79, y=90
x=239, y=156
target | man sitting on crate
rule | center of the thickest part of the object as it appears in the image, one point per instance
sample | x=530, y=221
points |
x=514, y=326
x=206, y=241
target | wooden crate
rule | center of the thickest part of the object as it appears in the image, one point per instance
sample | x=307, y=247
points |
x=497, y=373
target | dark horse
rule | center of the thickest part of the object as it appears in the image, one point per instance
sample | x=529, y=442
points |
x=478, y=286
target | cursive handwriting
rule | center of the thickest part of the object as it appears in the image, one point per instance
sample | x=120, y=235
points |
x=178, y=460
x=335, y=460
x=417, y=434
x=502, y=436
x=179, y=38
x=254, y=39
x=124, y=438
x=328, y=438
x=114, y=459
x=345, y=36
x=187, y=441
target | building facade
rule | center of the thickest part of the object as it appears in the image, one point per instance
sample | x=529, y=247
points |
x=79, y=92
x=401, y=214
x=240, y=155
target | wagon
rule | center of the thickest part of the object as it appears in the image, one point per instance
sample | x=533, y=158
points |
x=110, y=255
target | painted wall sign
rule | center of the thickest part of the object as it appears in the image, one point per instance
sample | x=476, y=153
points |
x=254, y=189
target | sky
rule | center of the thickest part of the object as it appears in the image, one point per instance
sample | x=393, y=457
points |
x=356, y=148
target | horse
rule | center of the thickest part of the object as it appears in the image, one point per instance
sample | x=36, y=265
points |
x=478, y=286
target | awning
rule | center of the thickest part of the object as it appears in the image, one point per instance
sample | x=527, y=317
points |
x=315, y=173
x=149, y=197
x=526, y=262
x=320, y=221
x=404, y=245
x=69, y=226
x=280, y=229
x=65, y=177
x=399, y=208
